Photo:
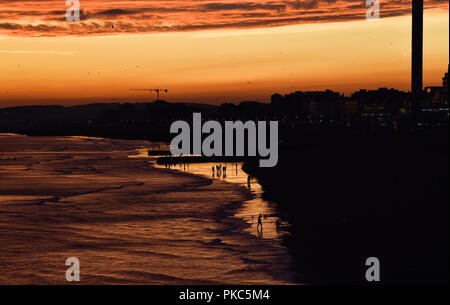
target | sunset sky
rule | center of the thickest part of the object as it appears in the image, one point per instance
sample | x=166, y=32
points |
x=209, y=51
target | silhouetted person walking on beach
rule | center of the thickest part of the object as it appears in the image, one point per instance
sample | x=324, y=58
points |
x=259, y=222
x=218, y=170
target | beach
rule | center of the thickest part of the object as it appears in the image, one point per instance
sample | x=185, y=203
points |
x=126, y=221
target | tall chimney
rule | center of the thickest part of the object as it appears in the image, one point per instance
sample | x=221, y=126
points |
x=417, y=57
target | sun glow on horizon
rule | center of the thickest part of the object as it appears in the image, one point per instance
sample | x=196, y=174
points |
x=217, y=66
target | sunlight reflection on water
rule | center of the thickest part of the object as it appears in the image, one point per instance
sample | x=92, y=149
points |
x=250, y=209
x=127, y=222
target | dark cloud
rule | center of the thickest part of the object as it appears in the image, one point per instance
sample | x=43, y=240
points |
x=47, y=17
x=305, y=4
x=249, y=6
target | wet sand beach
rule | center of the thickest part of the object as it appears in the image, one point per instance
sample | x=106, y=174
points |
x=125, y=220
x=248, y=210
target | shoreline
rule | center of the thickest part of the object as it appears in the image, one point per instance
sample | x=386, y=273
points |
x=156, y=226
x=230, y=210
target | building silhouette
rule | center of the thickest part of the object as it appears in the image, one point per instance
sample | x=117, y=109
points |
x=417, y=57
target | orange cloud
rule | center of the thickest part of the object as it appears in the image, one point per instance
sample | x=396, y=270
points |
x=106, y=17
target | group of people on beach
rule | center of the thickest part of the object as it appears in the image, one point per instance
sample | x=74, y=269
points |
x=6, y=158
x=169, y=164
x=259, y=226
x=220, y=170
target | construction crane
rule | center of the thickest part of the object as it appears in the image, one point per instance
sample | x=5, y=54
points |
x=157, y=90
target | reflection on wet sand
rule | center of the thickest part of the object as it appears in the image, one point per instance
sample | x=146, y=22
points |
x=273, y=224
x=125, y=220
